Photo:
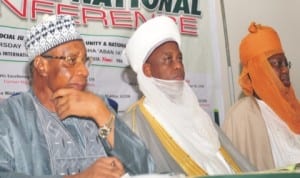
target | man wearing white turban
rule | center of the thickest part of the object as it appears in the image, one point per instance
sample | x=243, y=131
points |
x=178, y=132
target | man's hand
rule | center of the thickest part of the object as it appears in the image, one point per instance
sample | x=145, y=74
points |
x=72, y=102
x=106, y=167
x=80, y=103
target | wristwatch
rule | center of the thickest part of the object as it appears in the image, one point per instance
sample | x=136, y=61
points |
x=105, y=130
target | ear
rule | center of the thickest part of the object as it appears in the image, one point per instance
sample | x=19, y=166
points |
x=147, y=69
x=40, y=66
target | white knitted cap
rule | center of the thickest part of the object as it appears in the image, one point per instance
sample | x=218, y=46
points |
x=52, y=31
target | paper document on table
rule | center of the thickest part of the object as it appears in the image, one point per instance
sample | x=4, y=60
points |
x=155, y=176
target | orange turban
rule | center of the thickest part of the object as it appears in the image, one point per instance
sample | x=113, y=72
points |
x=258, y=75
x=260, y=40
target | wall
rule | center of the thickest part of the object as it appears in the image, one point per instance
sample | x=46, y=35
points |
x=280, y=14
x=105, y=27
x=206, y=56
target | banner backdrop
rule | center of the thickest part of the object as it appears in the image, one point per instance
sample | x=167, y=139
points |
x=105, y=26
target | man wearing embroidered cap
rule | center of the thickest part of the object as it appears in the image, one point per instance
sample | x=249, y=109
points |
x=52, y=130
x=265, y=125
x=179, y=134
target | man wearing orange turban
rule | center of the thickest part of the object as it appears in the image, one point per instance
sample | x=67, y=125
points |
x=265, y=125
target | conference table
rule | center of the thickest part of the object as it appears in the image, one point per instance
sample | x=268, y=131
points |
x=261, y=175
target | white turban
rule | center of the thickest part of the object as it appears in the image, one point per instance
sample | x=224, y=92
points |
x=148, y=37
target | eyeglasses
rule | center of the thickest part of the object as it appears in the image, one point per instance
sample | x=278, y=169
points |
x=71, y=61
x=280, y=64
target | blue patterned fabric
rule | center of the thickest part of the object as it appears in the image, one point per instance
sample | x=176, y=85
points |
x=35, y=142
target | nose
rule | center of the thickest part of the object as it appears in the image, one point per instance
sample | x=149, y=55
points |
x=178, y=64
x=82, y=69
x=284, y=69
